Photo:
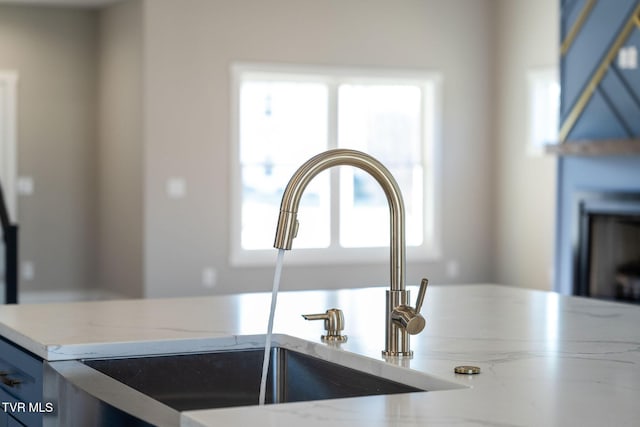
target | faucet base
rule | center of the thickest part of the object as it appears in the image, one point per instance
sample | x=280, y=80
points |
x=397, y=354
x=397, y=338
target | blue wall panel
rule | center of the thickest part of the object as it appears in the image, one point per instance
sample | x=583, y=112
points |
x=595, y=46
x=598, y=121
x=622, y=102
x=612, y=112
x=632, y=77
x=590, y=46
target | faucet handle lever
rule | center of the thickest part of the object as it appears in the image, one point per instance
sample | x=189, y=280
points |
x=421, y=293
x=409, y=318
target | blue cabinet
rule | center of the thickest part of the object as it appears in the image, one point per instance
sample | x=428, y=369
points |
x=21, y=375
x=600, y=70
x=12, y=422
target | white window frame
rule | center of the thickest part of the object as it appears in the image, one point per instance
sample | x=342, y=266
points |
x=430, y=249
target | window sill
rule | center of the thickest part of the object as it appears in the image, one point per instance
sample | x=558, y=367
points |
x=267, y=257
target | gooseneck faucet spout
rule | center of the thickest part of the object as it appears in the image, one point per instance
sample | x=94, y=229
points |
x=288, y=223
x=401, y=319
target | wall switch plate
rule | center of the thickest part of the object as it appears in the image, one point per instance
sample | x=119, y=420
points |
x=628, y=58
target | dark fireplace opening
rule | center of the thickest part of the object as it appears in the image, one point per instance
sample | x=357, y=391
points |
x=608, y=246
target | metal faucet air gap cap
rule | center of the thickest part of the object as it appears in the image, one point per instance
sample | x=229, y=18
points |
x=401, y=319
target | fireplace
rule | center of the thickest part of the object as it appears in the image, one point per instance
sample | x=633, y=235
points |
x=607, y=254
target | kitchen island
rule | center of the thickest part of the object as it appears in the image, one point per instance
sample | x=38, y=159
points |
x=545, y=359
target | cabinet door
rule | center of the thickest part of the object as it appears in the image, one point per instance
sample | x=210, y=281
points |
x=22, y=382
x=4, y=418
x=600, y=73
x=12, y=422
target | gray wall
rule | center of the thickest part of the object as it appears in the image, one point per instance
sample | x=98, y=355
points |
x=155, y=76
x=527, y=38
x=188, y=52
x=120, y=150
x=54, y=52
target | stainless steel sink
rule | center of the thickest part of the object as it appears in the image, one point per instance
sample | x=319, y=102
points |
x=156, y=389
x=232, y=378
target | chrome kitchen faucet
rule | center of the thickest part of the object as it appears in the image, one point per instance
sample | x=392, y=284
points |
x=401, y=318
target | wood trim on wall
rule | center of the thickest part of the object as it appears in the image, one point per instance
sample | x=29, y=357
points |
x=595, y=147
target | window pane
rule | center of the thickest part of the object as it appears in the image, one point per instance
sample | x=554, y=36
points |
x=384, y=121
x=262, y=193
x=282, y=124
x=544, y=94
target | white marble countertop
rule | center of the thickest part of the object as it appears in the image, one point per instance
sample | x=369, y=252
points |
x=546, y=359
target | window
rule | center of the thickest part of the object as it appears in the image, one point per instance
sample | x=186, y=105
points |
x=282, y=116
x=544, y=109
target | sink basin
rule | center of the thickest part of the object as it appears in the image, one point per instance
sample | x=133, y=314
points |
x=232, y=378
x=156, y=389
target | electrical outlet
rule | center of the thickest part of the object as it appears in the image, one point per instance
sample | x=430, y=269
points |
x=453, y=269
x=209, y=277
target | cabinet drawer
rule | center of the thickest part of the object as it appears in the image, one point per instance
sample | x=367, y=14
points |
x=20, y=373
x=21, y=381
